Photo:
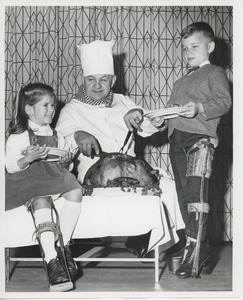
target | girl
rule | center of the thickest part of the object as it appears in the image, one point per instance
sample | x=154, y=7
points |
x=33, y=179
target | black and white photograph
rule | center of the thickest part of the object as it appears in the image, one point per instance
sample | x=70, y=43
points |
x=121, y=150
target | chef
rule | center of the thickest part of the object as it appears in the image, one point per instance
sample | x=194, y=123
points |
x=97, y=119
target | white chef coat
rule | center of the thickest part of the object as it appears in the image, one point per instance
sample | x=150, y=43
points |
x=106, y=124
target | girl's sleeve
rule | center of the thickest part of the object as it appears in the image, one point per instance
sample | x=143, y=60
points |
x=16, y=143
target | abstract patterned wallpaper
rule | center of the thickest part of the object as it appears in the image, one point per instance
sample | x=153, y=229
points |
x=40, y=45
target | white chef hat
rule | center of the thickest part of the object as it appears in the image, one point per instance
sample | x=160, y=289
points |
x=96, y=57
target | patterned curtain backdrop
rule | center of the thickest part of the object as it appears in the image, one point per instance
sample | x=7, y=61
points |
x=41, y=45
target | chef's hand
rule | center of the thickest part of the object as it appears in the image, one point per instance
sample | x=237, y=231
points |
x=87, y=143
x=133, y=119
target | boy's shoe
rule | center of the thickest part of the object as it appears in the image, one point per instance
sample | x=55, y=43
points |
x=58, y=279
x=185, y=269
x=71, y=264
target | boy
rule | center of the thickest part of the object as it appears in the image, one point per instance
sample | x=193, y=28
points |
x=204, y=91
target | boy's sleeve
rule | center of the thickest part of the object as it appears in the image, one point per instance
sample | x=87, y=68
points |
x=220, y=103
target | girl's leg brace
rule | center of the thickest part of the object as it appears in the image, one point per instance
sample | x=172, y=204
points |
x=48, y=226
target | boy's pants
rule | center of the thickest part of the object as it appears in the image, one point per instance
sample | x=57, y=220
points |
x=188, y=177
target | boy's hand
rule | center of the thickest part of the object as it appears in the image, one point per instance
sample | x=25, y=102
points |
x=192, y=110
x=133, y=118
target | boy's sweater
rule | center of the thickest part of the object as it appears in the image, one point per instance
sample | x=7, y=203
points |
x=208, y=85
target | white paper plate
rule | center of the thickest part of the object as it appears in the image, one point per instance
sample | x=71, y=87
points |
x=167, y=113
x=55, y=153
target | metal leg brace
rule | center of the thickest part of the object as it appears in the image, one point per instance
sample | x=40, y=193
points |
x=55, y=228
x=200, y=158
x=199, y=208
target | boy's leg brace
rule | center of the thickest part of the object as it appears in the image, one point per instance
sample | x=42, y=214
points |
x=48, y=226
x=199, y=163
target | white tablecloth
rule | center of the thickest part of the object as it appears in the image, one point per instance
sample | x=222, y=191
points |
x=109, y=212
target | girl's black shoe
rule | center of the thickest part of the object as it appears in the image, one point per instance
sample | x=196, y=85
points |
x=71, y=264
x=58, y=279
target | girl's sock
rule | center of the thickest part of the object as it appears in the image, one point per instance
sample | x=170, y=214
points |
x=47, y=237
x=68, y=218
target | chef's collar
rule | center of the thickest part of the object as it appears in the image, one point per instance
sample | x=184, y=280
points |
x=82, y=96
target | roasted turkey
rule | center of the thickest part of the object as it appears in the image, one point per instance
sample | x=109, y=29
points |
x=121, y=170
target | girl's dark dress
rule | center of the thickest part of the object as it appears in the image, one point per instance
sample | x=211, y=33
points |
x=41, y=178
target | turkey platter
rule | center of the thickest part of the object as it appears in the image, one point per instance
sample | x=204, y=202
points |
x=124, y=171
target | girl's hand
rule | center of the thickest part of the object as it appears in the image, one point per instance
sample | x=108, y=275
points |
x=33, y=153
x=66, y=158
